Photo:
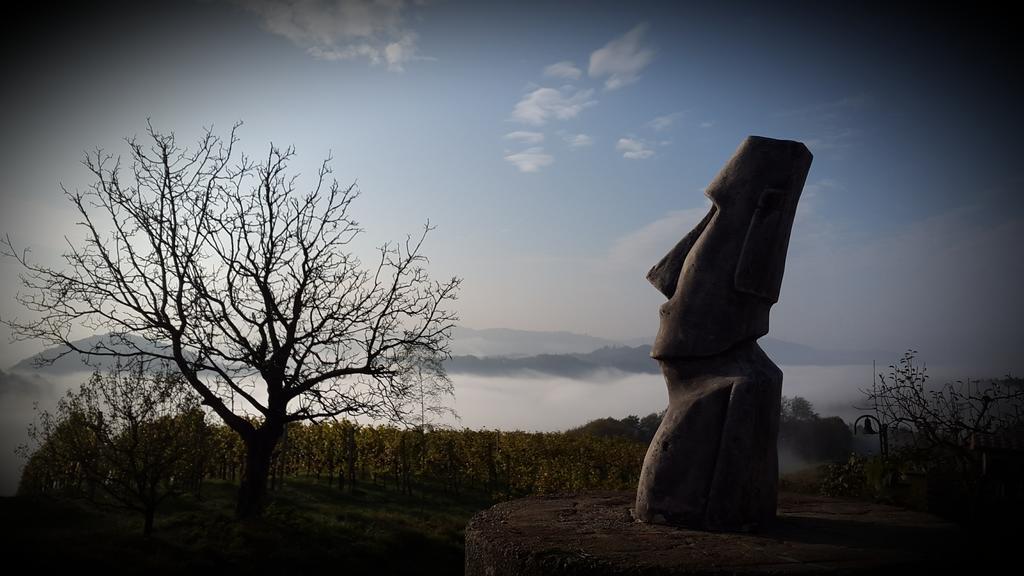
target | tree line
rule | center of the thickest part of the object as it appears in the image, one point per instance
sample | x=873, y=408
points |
x=135, y=438
x=346, y=454
x=811, y=437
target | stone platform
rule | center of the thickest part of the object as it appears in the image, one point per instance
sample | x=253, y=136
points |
x=595, y=534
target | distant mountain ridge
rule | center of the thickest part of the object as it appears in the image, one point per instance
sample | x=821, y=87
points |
x=509, y=342
x=72, y=362
x=508, y=352
x=637, y=360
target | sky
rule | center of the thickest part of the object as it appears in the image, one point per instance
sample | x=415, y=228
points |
x=561, y=148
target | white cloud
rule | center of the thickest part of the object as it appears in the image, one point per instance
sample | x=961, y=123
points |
x=531, y=159
x=634, y=149
x=342, y=29
x=543, y=104
x=665, y=122
x=525, y=137
x=832, y=139
x=578, y=140
x=622, y=59
x=350, y=52
x=707, y=124
x=404, y=50
x=564, y=69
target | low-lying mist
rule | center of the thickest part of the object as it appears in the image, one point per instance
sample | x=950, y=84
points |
x=20, y=396
x=547, y=404
x=533, y=403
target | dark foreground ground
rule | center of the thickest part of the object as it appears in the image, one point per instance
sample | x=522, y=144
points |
x=309, y=528
x=594, y=534
x=314, y=528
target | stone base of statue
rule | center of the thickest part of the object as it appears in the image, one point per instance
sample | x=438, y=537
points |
x=596, y=534
x=714, y=463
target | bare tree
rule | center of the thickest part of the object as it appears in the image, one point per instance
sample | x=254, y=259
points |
x=430, y=388
x=216, y=262
x=944, y=418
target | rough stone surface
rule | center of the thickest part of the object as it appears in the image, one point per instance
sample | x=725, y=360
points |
x=722, y=278
x=713, y=462
x=595, y=534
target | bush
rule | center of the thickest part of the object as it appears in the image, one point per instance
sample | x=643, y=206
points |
x=846, y=479
x=132, y=436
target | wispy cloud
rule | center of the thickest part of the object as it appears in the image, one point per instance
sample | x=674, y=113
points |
x=832, y=139
x=707, y=124
x=342, y=29
x=665, y=122
x=622, y=59
x=531, y=159
x=544, y=104
x=828, y=110
x=634, y=149
x=578, y=140
x=643, y=247
x=812, y=194
x=525, y=137
x=564, y=69
x=828, y=126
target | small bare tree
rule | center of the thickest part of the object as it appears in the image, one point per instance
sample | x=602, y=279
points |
x=215, y=262
x=430, y=388
x=944, y=418
x=130, y=434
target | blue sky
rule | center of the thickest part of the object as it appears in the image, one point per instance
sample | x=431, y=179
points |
x=562, y=148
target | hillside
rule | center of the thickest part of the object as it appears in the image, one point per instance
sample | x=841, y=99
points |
x=505, y=352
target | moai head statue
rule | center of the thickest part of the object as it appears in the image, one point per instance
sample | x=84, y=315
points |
x=722, y=278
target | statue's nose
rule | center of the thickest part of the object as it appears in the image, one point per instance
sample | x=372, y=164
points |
x=665, y=274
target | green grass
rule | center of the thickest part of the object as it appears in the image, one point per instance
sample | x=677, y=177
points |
x=307, y=527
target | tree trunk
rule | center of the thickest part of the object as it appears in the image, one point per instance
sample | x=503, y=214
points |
x=147, y=529
x=351, y=457
x=252, y=493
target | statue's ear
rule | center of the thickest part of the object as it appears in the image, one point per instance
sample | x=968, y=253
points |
x=763, y=257
x=665, y=274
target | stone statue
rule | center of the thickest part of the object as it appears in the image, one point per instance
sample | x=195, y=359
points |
x=713, y=463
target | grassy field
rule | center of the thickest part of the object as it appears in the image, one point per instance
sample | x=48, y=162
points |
x=308, y=527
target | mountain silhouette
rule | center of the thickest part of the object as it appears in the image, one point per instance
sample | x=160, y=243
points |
x=507, y=352
x=59, y=360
